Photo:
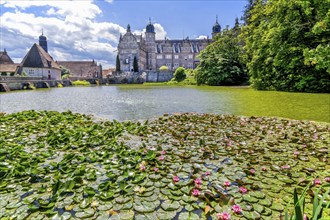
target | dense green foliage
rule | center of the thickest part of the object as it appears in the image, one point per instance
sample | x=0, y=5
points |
x=287, y=45
x=117, y=63
x=81, y=83
x=163, y=68
x=65, y=76
x=64, y=71
x=63, y=165
x=135, y=65
x=320, y=202
x=220, y=62
x=179, y=74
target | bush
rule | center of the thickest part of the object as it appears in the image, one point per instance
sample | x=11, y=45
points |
x=81, y=83
x=65, y=76
x=179, y=74
x=12, y=74
x=163, y=68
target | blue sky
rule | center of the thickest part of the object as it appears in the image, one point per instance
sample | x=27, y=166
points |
x=87, y=29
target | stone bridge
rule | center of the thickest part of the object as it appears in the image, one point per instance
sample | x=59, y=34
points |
x=20, y=83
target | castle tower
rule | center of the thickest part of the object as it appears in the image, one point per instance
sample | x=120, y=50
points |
x=43, y=42
x=151, y=46
x=216, y=29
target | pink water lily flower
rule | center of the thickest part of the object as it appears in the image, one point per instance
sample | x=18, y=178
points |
x=176, y=179
x=195, y=192
x=242, y=189
x=207, y=173
x=156, y=169
x=252, y=171
x=142, y=167
x=223, y=216
x=285, y=167
x=163, y=152
x=226, y=183
x=264, y=168
x=317, y=182
x=161, y=158
x=198, y=181
x=327, y=179
x=237, y=209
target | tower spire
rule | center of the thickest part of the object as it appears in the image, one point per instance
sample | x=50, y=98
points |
x=149, y=20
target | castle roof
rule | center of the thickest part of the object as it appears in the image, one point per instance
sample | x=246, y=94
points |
x=38, y=57
x=150, y=27
x=216, y=27
x=4, y=58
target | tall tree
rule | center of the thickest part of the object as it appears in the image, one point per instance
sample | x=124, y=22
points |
x=117, y=63
x=287, y=45
x=135, y=65
x=220, y=62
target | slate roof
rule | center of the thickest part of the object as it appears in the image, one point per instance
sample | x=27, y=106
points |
x=37, y=57
x=4, y=58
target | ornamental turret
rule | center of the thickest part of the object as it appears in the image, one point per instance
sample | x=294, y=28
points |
x=43, y=42
x=216, y=29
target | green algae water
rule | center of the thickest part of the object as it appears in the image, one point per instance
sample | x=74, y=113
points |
x=126, y=102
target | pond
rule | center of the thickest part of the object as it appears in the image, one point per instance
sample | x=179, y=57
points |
x=143, y=102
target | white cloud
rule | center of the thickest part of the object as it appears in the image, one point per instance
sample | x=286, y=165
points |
x=160, y=32
x=73, y=34
x=202, y=37
x=63, y=8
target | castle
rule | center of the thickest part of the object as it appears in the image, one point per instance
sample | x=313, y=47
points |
x=151, y=54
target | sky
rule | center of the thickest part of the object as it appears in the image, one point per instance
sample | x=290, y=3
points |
x=90, y=29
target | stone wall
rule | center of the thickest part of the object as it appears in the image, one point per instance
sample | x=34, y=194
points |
x=159, y=76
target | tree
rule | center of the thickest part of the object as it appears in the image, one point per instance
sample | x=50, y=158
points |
x=135, y=65
x=220, y=62
x=163, y=68
x=117, y=63
x=287, y=45
x=179, y=74
x=64, y=71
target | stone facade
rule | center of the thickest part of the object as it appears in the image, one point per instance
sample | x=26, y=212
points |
x=151, y=54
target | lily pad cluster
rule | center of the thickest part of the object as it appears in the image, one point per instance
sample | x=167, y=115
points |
x=185, y=166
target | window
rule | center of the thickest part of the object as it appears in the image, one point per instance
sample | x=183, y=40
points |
x=168, y=65
x=176, y=56
x=176, y=65
x=168, y=56
x=159, y=57
x=190, y=56
x=190, y=65
x=31, y=71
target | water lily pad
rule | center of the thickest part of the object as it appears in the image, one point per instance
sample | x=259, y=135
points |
x=144, y=207
x=166, y=215
x=249, y=199
x=87, y=213
x=188, y=216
